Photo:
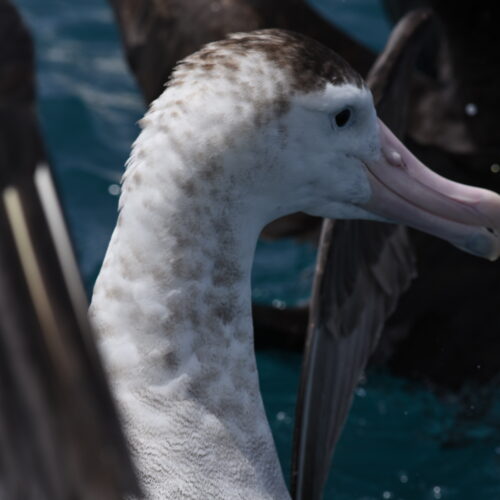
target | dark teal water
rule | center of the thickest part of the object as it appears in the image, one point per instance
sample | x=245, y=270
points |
x=401, y=442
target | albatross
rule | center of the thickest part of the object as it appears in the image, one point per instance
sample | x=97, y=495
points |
x=249, y=129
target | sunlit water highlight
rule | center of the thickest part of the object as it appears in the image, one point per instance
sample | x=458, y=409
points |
x=401, y=442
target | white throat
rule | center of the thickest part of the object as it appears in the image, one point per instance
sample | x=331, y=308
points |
x=172, y=306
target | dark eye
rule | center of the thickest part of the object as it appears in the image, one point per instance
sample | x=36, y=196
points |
x=343, y=117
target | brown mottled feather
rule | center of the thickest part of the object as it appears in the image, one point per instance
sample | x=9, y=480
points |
x=309, y=63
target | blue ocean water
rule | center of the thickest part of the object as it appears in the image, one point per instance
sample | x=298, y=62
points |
x=401, y=441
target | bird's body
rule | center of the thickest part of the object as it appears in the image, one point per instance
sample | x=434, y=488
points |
x=249, y=129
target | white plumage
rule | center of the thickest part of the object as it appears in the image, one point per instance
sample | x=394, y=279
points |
x=243, y=135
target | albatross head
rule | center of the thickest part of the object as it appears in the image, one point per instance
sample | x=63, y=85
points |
x=278, y=123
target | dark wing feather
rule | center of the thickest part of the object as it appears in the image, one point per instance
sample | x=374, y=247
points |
x=363, y=267
x=157, y=34
x=60, y=436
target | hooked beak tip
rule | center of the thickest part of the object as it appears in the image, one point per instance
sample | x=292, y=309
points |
x=483, y=246
x=407, y=192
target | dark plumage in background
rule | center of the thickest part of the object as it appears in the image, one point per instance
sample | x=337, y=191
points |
x=451, y=336
x=158, y=33
x=60, y=437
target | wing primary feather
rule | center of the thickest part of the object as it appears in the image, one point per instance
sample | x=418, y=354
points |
x=60, y=435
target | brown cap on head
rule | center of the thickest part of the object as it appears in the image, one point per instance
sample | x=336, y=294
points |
x=310, y=63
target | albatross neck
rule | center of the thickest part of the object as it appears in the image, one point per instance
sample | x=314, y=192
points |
x=172, y=305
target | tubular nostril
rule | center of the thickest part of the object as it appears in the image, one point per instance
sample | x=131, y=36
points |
x=395, y=159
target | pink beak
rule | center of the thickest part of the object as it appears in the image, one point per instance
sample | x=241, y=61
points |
x=405, y=191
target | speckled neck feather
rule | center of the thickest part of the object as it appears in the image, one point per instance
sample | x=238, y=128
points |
x=177, y=330
x=172, y=303
x=173, y=308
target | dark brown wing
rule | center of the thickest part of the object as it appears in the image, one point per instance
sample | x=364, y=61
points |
x=60, y=437
x=158, y=33
x=363, y=267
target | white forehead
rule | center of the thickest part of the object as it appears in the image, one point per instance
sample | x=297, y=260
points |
x=333, y=97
